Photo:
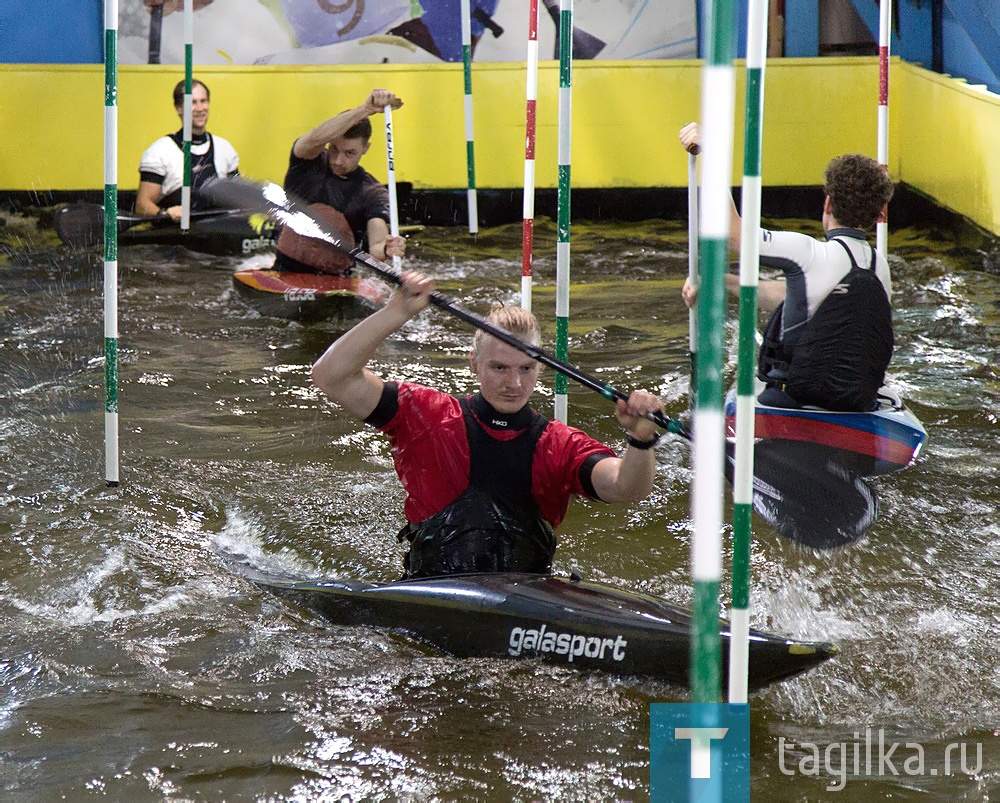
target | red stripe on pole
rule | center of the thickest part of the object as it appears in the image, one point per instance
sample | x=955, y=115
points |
x=529, y=140
x=527, y=241
x=883, y=76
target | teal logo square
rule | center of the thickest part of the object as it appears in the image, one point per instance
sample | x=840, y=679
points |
x=699, y=752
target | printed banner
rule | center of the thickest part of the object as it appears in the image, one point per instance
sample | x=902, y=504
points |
x=405, y=31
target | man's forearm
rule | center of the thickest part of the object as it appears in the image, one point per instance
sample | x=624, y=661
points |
x=352, y=351
x=309, y=145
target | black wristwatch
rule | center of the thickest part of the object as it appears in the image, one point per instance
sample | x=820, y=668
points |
x=635, y=443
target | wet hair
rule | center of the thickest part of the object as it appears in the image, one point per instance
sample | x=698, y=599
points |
x=859, y=188
x=179, y=91
x=516, y=320
x=361, y=130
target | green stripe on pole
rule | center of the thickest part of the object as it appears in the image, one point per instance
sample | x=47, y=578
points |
x=470, y=159
x=754, y=114
x=467, y=68
x=705, y=673
x=714, y=258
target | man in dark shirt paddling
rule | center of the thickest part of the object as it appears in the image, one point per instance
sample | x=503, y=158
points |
x=324, y=169
x=487, y=478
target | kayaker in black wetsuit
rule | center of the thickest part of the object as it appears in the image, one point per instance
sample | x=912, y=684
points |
x=324, y=169
x=830, y=338
x=161, y=168
x=487, y=478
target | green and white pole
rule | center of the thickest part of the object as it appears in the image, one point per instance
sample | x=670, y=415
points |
x=739, y=642
x=717, y=111
x=565, y=125
x=111, y=242
x=188, y=89
x=470, y=149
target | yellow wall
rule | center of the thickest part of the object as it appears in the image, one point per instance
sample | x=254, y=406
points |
x=625, y=119
x=952, y=144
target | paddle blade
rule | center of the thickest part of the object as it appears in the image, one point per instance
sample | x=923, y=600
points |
x=807, y=494
x=80, y=225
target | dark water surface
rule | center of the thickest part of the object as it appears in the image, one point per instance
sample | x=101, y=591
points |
x=136, y=667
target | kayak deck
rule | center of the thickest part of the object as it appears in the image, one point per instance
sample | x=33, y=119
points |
x=575, y=623
x=309, y=297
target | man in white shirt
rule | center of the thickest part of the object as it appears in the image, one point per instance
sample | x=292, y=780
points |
x=161, y=169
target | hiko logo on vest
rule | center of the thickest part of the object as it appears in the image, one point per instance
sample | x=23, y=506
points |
x=572, y=645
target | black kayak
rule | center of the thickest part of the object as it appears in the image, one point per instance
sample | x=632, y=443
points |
x=221, y=232
x=570, y=622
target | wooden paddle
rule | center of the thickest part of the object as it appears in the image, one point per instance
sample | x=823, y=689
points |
x=814, y=503
x=81, y=225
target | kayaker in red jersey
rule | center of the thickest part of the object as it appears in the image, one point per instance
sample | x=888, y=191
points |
x=487, y=478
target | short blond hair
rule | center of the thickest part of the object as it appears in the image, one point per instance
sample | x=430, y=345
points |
x=516, y=320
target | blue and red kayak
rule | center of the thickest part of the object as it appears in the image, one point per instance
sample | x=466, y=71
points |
x=887, y=439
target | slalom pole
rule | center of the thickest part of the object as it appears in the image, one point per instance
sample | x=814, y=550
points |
x=884, y=33
x=470, y=150
x=111, y=242
x=188, y=89
x=739, y=642
x=565, y=125
x=693, y=263
x=391, y=180
x=531, y=95
x=717, y=111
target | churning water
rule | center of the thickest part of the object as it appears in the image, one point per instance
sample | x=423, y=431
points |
x=136, y=667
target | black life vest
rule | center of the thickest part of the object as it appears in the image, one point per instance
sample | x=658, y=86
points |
x=840, y=361
x=202, y=169
x=494, y=525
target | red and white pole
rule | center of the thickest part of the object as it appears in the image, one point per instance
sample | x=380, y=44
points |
x=884, y=31
x=531, y=95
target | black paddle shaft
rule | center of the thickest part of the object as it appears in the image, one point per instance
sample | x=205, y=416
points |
x=288, y=212
x=155, y=32
x=810, y=501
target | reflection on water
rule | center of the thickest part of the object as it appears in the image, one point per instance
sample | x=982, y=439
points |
x=138, y=667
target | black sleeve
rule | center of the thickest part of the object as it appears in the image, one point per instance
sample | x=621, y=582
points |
x=152, y=178
x=376, y=201
x=299, y=177
x=387, y=407
x=586, y=475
